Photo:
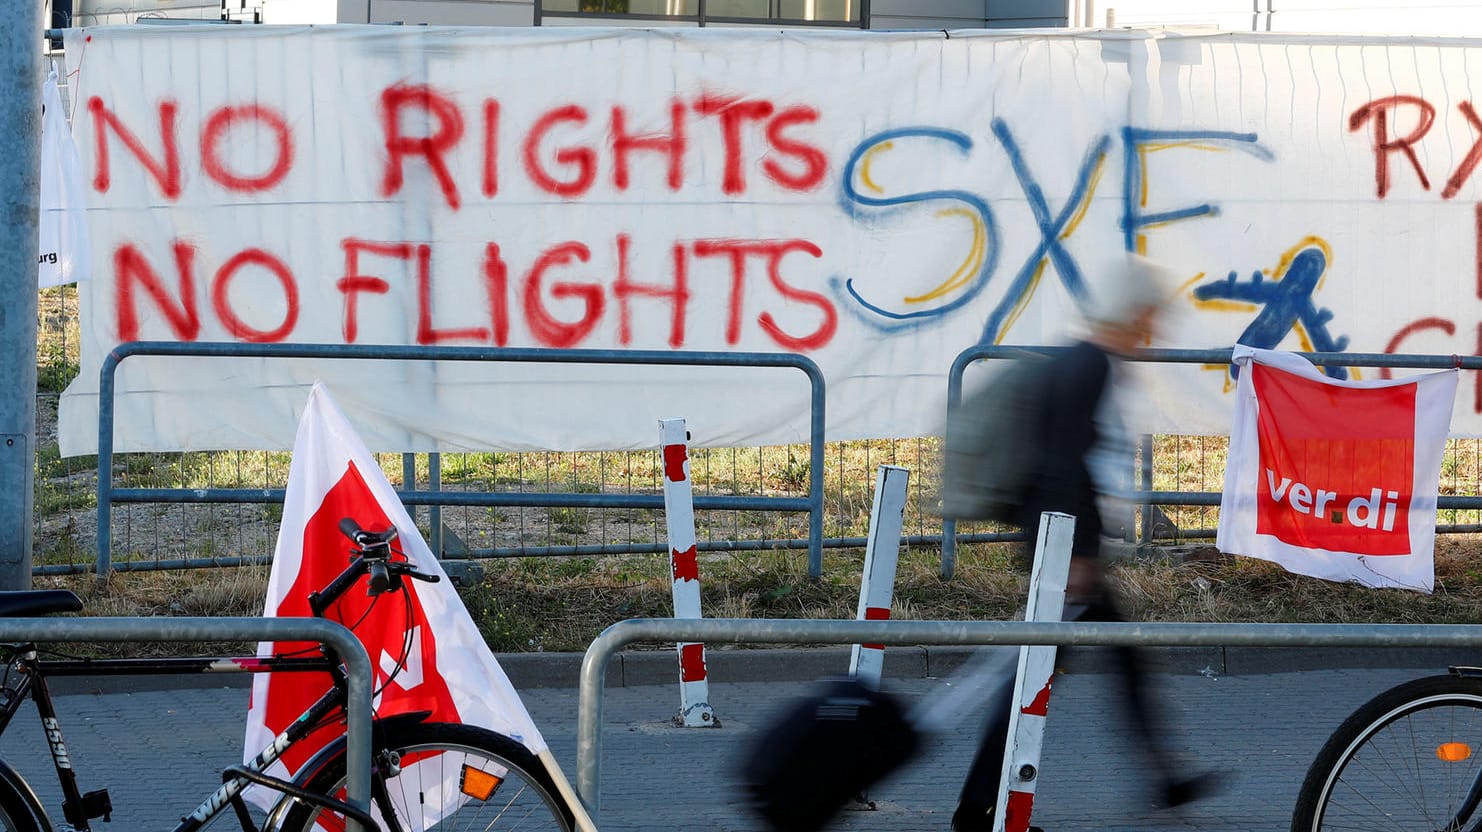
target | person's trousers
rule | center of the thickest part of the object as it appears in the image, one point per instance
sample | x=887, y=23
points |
x=980, y=789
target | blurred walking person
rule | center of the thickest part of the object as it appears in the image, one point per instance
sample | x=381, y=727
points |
x=1074, y=414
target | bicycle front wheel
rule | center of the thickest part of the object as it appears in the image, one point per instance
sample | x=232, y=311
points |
x=15, y=817
x=435, y=776
x=20, y=811
x=1410, y=758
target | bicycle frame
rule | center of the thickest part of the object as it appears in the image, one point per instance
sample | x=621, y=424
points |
x=371, y=557
x=78, y=807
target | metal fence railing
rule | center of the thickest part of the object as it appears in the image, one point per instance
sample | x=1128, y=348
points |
x=812, y=503
x=177, y=534
x=828, y=631
x=1145, y=494
x=165, y=629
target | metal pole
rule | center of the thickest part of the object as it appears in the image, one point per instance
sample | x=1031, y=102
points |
x=877, y=579
x=815, y=470
x=435, y=511
x=409, y=479
x=1145, y=483
x=836, y=631
x=349, y=649
x=103, y=566
x=20, y=184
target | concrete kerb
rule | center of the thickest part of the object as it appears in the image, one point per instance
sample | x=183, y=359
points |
x=660, y=667
x=636, y=668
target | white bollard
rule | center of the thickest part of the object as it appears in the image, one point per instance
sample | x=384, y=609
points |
x=877, y=584
x=679, y=521
x=1031, y=700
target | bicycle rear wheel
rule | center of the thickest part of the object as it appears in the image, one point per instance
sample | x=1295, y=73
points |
x=1410, y=758
x=434, y=776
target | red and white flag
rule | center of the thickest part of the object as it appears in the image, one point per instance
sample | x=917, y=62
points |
x=1335, y=479
x=448, y=669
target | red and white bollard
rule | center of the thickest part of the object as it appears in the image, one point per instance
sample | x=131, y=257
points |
x=679, y=520
x=882, y=552
x=1031, y=700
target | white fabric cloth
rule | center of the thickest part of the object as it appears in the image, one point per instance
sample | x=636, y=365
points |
x=439, y=660
x=64, y=255
x=1335, y=479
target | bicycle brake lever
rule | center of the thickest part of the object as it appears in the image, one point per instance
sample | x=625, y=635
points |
x=422, y=576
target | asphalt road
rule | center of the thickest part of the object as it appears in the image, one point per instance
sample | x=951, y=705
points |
x=159, y=752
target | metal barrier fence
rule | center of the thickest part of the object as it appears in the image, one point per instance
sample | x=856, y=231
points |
x=811, y=504
x=180, y=534
x=828, y=631
x=341, y=640
x=1143, y=495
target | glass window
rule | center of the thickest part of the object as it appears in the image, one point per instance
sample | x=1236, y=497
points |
x=831, y=11
x=753, y=9
x=821, y=11
x=661, y=8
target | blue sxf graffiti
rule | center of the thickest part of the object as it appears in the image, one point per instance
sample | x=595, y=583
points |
x=1285, y=303
x=1051, y=244
x=1135, y=140
x=873, y=314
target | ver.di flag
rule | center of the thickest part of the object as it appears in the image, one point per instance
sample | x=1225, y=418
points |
x=62, y=222
x=448, y=671
x=1335, y=479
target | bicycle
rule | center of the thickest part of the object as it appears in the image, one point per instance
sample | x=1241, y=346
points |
x=424, y=775
x=1407, y=759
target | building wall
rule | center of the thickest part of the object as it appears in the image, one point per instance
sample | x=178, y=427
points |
x=1369, y=17
x=297, y=11
x=454, y=12
x=938, y=14
x=1420, y=17
x=884, y=14
x=1025, y=14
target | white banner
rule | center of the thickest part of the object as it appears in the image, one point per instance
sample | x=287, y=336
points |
x=64, y=255
x=1335, y=479
x=876, y=201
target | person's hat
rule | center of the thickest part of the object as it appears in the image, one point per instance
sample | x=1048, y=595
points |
x=1131, y=285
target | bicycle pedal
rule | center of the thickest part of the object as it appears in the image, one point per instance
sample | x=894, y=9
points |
x=97, y=805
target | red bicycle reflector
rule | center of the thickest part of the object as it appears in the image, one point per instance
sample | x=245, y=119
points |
x=1453, y=752
x=479, y=785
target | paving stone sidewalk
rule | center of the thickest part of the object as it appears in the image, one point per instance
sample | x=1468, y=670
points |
x=160, y=751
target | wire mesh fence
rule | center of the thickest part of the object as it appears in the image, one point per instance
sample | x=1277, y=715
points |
x=143, y=534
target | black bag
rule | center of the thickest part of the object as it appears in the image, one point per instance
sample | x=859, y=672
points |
x=992, y=444
x=825, y=750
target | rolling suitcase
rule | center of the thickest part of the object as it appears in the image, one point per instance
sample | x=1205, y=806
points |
x=831, y=746
x=824, y=750
x=834, y=744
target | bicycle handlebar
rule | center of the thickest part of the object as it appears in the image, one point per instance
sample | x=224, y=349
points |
x=371, y=555
x=366, y=539
x=375, y=550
